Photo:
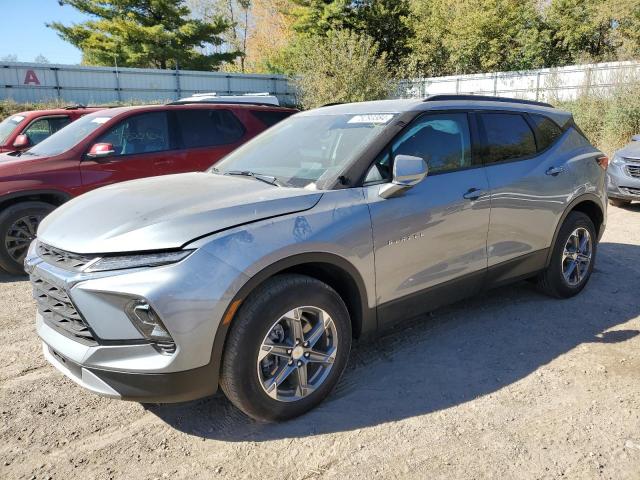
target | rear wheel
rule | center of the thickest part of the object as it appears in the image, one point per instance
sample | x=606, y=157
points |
x=18, y=226
x=572, y=259
x=286, y=349
x=618, y=202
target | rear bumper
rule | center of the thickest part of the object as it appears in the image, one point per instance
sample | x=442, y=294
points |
x=139, y=387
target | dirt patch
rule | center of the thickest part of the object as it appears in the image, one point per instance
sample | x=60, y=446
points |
x=512, y=384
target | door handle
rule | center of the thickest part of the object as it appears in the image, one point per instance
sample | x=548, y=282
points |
x=473, y=194
x=554, y=171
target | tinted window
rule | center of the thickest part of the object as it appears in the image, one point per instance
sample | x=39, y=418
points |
x=143, y=133
x=208, y=128
x=442, y=140
x=270, y=118
x=547, y=131
x=508, y=136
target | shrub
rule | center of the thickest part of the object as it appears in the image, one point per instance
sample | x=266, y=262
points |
x=344, y=66
x=609, y=119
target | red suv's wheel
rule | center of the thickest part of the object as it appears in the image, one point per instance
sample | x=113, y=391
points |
x=18, y=226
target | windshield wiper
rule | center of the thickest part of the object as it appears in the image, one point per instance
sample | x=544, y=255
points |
x=258, y=176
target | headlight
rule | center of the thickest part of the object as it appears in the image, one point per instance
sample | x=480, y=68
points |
x=134, y=261
x=617, y=160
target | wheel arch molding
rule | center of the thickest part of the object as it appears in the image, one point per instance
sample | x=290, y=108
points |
x=329, y=268
x=587, y=203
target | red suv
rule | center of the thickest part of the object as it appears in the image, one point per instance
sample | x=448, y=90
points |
x=26, y=129
x=111, y=146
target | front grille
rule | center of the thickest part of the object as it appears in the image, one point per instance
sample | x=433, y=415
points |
x=631, y=190
x=634, y=170
x=61, y=258
x=58, y=311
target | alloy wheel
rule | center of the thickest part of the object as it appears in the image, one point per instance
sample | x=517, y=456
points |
x=20, y=235
x=297, y=354
x=576, y=257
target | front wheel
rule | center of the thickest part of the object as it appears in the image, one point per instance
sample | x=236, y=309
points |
x=18, y=226
x=572, y=258
x=286, y=349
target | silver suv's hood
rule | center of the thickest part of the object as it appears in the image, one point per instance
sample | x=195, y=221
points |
x=165, y=212
x=632, y=150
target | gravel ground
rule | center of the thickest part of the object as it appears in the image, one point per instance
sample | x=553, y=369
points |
x=508, y=385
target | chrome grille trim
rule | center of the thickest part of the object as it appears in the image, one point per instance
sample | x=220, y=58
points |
x=633, y=170
x=59, y=312
x=62, y=258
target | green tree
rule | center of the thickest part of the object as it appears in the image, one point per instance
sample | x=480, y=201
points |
x=471, y=36
x=145, y=33
x=582, y=30
x=342, y=66
x=318, y=17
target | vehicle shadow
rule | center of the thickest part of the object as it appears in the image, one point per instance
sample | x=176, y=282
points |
x=8, y=278
x=454, y=355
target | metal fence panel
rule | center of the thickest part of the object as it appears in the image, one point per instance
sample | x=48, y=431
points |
x=547, y=84
x=30, y=82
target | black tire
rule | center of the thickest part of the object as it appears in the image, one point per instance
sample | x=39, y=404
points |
x=552, y=280
x=8, y=218
x=239, y=377
x=618, y=202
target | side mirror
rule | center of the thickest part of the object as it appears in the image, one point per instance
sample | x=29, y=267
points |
x=635, y=138
x=101, y=150
x=407, y=172
x=21, y=141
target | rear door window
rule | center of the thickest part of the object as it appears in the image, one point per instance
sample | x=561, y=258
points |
x=208, y=128
x=507, y=136
x=144, y=133
x=547, y=131
x=270, y=117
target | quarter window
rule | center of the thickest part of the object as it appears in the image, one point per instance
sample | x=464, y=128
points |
x=547, y=131
x=442, y=140
x=208, y=128
x=270, y=117
x=508, y=137
x=144, y=133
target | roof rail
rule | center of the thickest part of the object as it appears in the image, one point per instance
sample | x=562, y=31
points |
x=75, y=107
x=487, y=98
x=219, y=102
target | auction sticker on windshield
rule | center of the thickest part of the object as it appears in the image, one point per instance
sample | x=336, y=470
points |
x=378, y=118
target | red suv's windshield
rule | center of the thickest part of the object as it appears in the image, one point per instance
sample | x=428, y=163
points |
x=70, y=136
x=8, y=125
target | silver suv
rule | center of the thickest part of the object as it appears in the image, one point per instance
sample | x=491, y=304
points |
x=336, y=223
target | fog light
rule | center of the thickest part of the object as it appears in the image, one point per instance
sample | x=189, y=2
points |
x=148, y=323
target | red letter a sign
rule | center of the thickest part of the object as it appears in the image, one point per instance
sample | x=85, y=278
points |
x=31, y=77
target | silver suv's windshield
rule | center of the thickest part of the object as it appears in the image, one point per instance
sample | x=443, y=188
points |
x=68, y=137
x=8, y=125
x=304, y=149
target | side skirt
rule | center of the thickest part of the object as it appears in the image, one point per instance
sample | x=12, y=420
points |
x=405, y=308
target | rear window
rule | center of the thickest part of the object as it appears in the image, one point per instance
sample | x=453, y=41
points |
x=8, y=125
x=270, y=117
x=507, y=137
x=547, y=131
x=208, y=128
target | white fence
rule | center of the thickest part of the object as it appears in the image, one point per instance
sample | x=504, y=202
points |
x=32, y=82
x=547, y=84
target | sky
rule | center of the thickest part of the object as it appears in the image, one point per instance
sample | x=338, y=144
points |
x=23, y=31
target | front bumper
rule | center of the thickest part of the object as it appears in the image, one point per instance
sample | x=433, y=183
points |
x=140, y=387
x=120, y=363
x=621, y=184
